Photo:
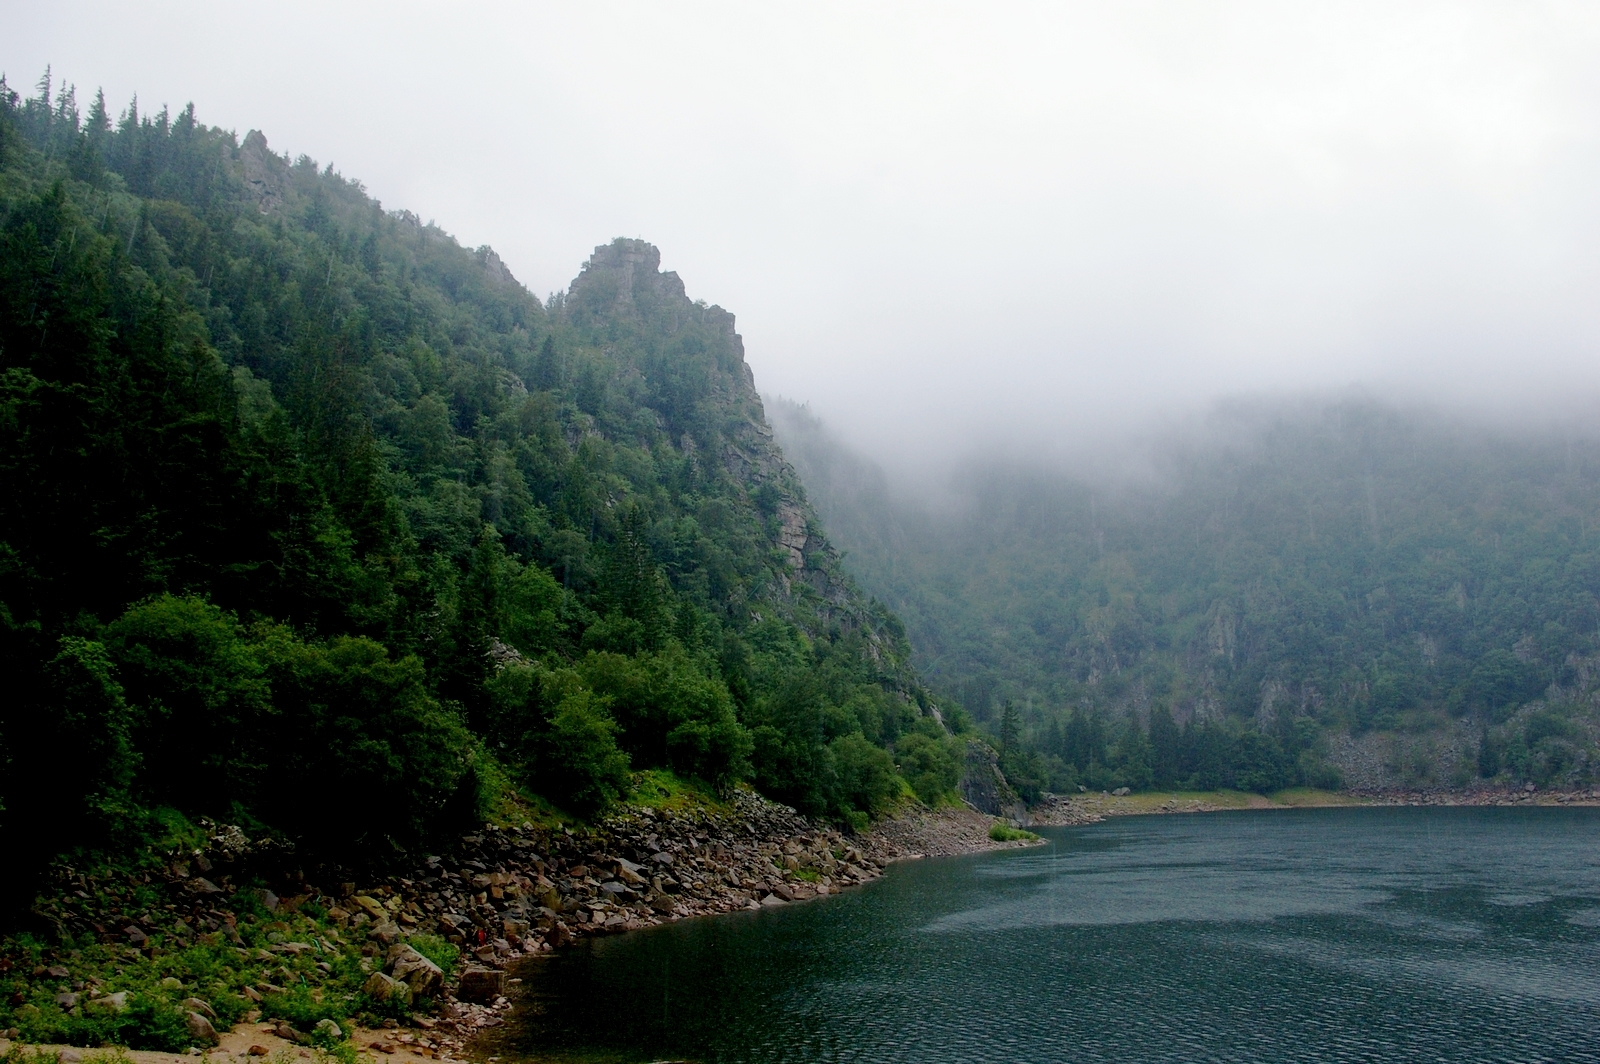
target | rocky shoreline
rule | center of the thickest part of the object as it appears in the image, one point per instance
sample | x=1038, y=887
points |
x=1527, y=794
x=503, y=894
x=499, y=895
x=1064, y=810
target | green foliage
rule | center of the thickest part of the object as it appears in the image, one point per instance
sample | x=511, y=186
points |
x=865, y=773
x=1004, y=833
x=444, y=954
x=305, y=506
x=558, y=731
x=930, y=761
x=1351, y=566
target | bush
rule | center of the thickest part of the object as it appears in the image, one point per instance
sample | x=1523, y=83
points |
x=444, y=954
x=867, y=780
x=199, y=697
x=1004, y=833
x=357, y=731
x=558, y=736
x=79, y=713
x=671, y=713
x=930, y=761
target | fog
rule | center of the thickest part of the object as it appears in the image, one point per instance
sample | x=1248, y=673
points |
x=1041, y=226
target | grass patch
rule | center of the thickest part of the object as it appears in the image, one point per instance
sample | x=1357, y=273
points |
x=662, y=789
x=195, y=951
x=1006, y=833
x=508, y=805
x=1310, y=797
x=444, y=954
x=1165, y=801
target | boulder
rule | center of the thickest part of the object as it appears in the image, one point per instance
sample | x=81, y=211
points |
x=387, y=933
x=416, y=971
x=380, y=987
x=481, y=985
x=329, y=1028
x=110, y=1002
x=200, y=1029
x=194, y=1004
x=374, y=909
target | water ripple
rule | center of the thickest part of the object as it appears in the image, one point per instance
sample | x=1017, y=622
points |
x=1327, y=935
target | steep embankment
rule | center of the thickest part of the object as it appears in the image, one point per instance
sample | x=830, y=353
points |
x=303, y=505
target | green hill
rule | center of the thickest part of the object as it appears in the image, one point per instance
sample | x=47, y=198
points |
x=314, y=519
x=1306, y=590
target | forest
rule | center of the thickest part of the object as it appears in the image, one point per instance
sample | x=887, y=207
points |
x=1296, y=577
x=313, y=519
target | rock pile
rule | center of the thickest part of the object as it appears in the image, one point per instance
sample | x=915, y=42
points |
x=509, y=892
x=499, y=894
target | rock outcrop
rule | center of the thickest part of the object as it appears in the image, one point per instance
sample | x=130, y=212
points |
x=984, y=786
x=266, y=176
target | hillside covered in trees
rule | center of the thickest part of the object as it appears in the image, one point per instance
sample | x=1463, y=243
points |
x=1304, y=591
x=314, y=519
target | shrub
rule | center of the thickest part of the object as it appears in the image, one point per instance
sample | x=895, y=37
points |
x=931, y=763
x=1004, y=833
x=444, y=954
x=671, y=713
x=558, y=736
x=357, y=731
x=867, y=780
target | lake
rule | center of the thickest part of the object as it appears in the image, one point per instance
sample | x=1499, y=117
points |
x=1376, y=934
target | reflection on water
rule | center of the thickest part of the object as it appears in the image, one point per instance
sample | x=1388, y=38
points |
x=1317, y=935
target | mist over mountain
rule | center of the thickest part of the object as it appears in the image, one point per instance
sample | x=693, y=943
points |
x=1422, y=588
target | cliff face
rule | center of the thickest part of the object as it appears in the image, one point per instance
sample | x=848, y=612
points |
x=623, y=295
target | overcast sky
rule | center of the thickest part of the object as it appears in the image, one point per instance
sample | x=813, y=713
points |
x=943, y=222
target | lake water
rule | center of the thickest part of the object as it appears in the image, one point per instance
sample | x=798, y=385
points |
x=1314, y=935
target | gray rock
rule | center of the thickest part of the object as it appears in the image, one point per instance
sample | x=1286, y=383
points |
x=380, y=987
x=415, y=970
x=983, y=785
x=387, y=933
x=329, y=1028
x=264, y=173
x=481, y=985
x=195, y=1004
x=200, y=1029
x=110, y=1002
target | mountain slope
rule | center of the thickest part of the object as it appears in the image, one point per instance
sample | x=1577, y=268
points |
x=1417, y=591
x=312, y=517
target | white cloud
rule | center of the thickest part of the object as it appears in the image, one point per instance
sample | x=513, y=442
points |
x=940, y=220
